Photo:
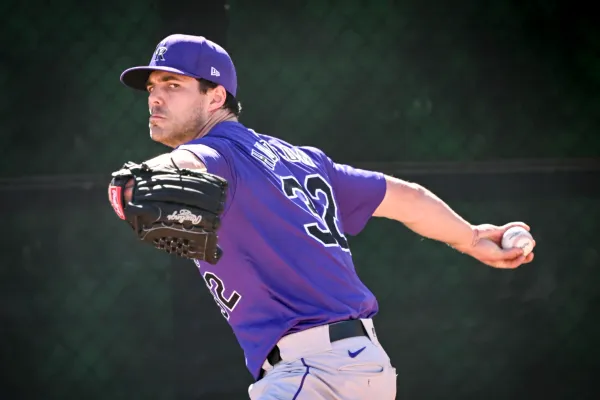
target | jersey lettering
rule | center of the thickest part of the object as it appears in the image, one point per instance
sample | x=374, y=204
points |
x=286, y=153
x=217, y=288
x=293, y=154
x=264, y=153
x=310, y=194
x=269, y=154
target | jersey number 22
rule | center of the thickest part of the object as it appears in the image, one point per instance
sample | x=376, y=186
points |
x=315, y=186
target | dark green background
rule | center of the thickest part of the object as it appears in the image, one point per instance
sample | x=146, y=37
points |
x=88, y=312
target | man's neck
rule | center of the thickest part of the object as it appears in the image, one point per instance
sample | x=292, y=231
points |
x=218, y=117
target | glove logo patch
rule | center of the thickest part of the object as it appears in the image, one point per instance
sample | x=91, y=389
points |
x=185, y=215
x=115, y=200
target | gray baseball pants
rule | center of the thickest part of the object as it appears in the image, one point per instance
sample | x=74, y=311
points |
x=314, y=368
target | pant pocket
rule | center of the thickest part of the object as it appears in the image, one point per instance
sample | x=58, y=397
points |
x=362, y=368
x=385, y=385
x=367, y=380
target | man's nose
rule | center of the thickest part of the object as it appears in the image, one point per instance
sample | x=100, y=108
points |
x=155, y=98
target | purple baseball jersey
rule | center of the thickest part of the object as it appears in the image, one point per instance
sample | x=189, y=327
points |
x=286, y=265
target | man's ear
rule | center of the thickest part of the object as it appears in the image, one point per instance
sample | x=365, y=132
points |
x=218, y=98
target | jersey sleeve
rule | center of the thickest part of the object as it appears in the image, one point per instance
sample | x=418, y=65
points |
x=358, y=193
x=216, y=163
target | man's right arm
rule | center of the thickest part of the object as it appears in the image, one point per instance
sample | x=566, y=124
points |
x=424, y=213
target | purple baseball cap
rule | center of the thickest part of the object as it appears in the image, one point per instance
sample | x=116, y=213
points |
x=193, y=56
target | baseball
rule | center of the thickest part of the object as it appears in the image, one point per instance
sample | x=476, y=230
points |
x=518, y=237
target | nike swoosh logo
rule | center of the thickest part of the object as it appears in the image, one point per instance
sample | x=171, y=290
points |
x=355, y=353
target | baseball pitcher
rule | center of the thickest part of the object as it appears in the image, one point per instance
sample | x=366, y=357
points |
x=266, y=222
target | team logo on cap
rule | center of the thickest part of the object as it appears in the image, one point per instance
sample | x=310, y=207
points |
x=159, y=54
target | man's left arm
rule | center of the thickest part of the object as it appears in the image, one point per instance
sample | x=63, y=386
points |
x=177, y=158
x=175, y=211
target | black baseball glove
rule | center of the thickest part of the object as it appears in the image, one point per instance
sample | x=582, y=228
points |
x=175, y=210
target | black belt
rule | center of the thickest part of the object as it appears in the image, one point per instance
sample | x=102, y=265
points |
x=337, y=331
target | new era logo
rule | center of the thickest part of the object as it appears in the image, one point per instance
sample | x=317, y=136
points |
x=214, y=72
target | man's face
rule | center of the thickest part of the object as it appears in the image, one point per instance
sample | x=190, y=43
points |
x=178, y=109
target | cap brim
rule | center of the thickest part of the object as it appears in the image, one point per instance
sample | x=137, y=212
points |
x=137, y=77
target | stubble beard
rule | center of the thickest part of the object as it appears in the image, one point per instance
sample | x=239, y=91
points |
x=173, y=136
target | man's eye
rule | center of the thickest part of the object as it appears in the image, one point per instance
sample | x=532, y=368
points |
x=173, y=85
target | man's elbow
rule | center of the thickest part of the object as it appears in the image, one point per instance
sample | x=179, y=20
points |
x=186, y=159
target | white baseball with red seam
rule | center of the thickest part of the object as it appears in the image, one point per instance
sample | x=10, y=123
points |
x=518, y=237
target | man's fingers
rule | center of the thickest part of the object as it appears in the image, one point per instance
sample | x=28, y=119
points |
x=529, y=258
x=509, y=264
x=511, y=254
x=495, y=232
x=513, y=263
x=516, y=262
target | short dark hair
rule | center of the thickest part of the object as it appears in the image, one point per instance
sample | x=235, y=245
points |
x=231, y=102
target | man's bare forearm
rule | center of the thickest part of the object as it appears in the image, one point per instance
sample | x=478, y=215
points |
x=424, y=213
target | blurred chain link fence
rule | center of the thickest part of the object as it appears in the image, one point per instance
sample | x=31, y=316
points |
x=87, y=312
x=87, y=317
x=365, y=80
